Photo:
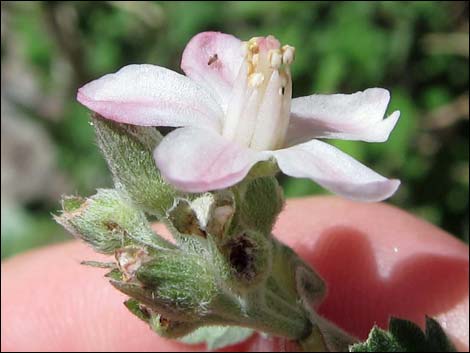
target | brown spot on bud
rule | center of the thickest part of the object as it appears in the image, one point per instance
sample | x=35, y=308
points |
x=164, y=322
x=190, y=225
x=111, y=226
x=241, y=257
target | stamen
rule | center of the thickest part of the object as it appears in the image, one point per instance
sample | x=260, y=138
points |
x=284, y=79
x=288, y=54
x=275, y=59
x=253, y=45
x=250, y=68
x=258, y=113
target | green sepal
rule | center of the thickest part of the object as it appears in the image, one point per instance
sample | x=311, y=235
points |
x=218, y=337
x=128, y=150
x=115, y=274
x=262, y=169
x=171, y=328
x=151, y=300
x=98, y=264
x=164, y=327
x=138, y=309
x=260, y=201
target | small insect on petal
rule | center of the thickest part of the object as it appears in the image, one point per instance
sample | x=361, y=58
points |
x=212, y=59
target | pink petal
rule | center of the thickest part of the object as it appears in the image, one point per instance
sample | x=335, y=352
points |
x=150, y=95
x=357, y=116
x=198, y=160
x=213, y=59
x=335, y=171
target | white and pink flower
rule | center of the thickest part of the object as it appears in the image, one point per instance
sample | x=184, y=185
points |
x=234, y=108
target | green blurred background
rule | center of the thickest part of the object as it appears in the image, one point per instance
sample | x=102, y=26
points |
x=418, y=50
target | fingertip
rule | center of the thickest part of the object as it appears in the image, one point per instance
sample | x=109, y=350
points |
x=76, y=309
x=379, y=261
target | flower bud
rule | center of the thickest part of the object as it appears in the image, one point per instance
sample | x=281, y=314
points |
x=107, y=221
x=247, y=258
x=185, y=282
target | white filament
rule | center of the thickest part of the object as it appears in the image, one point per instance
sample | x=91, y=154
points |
x=258, y=113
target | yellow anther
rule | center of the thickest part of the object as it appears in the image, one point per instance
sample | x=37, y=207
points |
x=254, y=48
x=288, y=54
x=275, y=58
x=255, y=59
x=253, y=45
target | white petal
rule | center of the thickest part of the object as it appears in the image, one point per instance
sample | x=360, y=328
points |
x=357, y=116
x=213, y=59
x=247, y=119
x=241, y=93
x=335, y=171
x=150, y=95
x=198, y=160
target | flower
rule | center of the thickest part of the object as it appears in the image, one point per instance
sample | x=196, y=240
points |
x=235, y=109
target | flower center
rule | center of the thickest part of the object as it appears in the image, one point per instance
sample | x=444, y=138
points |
x=258, y=113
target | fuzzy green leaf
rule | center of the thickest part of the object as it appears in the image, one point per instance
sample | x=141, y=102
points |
x=378, y=341
x=437, y=338
x=217, y=337
x=128, y=150
x=406, y=336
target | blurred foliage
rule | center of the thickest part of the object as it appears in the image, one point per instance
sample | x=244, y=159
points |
x=418, y=50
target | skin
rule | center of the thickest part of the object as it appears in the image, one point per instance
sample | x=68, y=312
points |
x=376, y=259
